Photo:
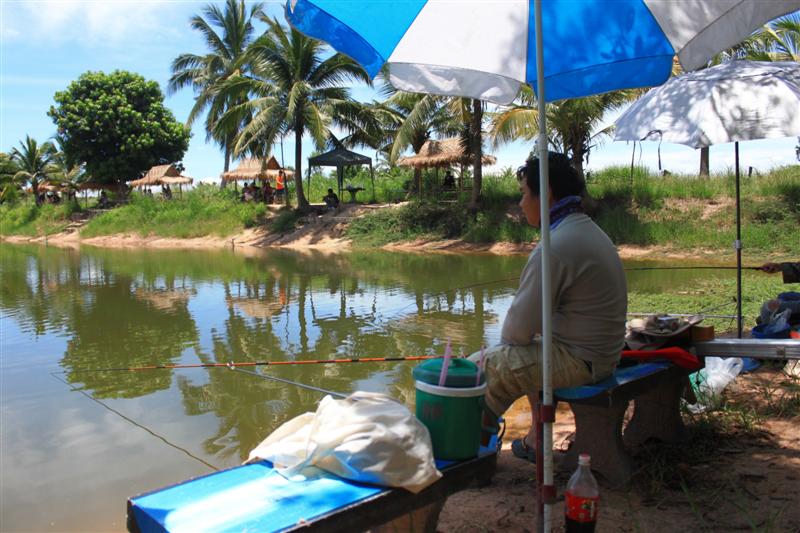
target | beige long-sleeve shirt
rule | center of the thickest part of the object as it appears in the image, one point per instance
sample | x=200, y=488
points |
x=589, y=294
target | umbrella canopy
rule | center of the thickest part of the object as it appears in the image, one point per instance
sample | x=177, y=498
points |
x=734, y=101
x=442, y=153
x=486, y=50
x=160, y=175
x=252, y=169
x=731, y=102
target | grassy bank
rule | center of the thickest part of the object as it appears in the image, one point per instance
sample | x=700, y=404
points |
x=26, y=218
x=205, y=210
x=674, y=211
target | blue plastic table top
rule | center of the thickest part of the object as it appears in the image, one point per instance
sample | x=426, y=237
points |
x=620, y=377
x=252, y=497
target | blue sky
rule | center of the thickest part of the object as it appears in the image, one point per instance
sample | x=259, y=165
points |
x=44, y=45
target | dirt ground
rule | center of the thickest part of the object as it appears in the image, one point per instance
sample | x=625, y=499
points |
x=738, y=471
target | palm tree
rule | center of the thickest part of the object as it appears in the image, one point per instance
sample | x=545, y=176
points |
x=33, y=160
x=293, y=88
x=573, y=123
x=206, y=74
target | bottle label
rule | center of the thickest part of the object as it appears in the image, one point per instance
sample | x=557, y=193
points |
x=581, y=509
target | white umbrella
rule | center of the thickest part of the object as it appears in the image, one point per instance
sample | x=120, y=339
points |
x=731, y=102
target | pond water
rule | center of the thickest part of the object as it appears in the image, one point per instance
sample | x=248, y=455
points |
x=79, y=437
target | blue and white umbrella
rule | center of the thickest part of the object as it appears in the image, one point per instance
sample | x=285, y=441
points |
x=487, y=49
x=563, y=48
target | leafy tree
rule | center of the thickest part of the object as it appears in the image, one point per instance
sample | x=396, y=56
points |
x=206, y=74
x=33, y=160
x=294, y=88
x=117, y=125
x=572, y=123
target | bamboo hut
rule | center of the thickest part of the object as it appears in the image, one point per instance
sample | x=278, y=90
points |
x=252, y=169
x=443, y=153
x=162, y=175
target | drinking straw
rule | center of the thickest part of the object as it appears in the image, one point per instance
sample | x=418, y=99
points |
x=480, y=366
x=445, y=365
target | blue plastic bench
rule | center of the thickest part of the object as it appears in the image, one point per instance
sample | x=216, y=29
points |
x=599, y=410
x=255, y=497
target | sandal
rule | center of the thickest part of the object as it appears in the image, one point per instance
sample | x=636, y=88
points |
x=520, y=449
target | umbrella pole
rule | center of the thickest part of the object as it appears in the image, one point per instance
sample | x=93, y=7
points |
x=738, y=246
x=546, y=493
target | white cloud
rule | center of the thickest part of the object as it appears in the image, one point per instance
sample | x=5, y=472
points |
x=92, y=23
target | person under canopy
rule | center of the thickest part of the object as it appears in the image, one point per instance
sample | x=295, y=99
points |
x=331, y=199
x=589, y=302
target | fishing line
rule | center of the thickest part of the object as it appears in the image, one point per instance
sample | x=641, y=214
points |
x=288, y=382
x=134, y=422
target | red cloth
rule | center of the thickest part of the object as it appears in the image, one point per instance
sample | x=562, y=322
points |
x=673, y=354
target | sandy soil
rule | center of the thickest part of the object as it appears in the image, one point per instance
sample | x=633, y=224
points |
x=741, y=478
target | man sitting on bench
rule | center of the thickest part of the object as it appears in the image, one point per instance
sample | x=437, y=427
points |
x=589, y=297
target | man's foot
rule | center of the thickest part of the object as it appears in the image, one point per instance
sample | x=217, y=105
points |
x=521, y=449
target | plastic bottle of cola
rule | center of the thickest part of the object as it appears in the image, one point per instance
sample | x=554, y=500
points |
x=581, y=499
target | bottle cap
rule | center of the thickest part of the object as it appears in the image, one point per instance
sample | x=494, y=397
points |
x=584, y=459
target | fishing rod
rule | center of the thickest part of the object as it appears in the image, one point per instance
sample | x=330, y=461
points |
x=701, y=267
x=234, y=365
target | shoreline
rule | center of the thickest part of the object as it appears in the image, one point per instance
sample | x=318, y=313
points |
x=331, y=241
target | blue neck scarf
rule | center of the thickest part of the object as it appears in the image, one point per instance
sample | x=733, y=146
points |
x=564, y=207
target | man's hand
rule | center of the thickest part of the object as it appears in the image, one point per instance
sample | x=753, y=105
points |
x=770, y=268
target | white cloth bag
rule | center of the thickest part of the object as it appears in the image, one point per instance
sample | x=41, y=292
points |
x=365, y=437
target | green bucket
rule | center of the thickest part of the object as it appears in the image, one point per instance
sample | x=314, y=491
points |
x=451, y=413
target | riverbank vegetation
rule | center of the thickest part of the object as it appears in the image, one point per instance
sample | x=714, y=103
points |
x=639, y=209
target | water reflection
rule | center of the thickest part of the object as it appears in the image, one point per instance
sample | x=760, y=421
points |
x=120, y=309
x=129, y=309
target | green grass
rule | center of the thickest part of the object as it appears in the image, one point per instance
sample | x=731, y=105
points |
x=675, y=212
x=205, y=210
x=26, y=218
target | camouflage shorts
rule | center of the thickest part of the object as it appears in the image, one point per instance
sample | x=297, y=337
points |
x=516, y=371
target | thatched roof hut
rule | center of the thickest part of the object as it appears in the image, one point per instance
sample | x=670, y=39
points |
x=442, y=153
x=95, y=186
x=252, y=169
x=161, y=175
